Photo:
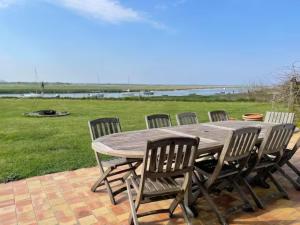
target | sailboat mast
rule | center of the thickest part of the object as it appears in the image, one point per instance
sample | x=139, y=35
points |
x=35, y=78
x=98, y=82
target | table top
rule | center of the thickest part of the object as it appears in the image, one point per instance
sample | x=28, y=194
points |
x=132, y=144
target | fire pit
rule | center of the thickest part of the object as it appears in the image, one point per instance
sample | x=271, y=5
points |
x=46, y=113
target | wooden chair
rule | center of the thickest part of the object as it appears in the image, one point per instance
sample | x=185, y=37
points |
x=219, y=115
x=283, y=117
x=267, y=157
x=164, y=159
x=106, y=126
x=279, y=117
x=158, y=120
x=232, y=160
x=186, y=118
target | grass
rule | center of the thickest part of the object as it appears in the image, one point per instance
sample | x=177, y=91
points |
x=20, y=88
x=37, y=146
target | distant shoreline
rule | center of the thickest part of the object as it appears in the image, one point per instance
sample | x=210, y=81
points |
x=24, y=87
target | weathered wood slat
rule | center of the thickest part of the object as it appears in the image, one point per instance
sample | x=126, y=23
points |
x=219, y=115
x=157, y=121
x=279, y=117
x=186, y=118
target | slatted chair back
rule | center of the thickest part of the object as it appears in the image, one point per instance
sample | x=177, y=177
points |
x=241, y=143
x=279, y=117
x=170, y=156
x=237, y=148
x=104, y=126
x=158, y=120
x=219, y=115
x=186, y=118
x=276, y=139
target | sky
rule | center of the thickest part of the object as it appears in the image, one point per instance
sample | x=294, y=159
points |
x=148, y=41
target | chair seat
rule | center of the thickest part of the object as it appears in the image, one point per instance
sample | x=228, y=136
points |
x=205, y=157
x=159, y=186
x=118, y=161
x=266, y=161
x=208, y=166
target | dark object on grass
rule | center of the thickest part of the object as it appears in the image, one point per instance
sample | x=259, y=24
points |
x=46, y=113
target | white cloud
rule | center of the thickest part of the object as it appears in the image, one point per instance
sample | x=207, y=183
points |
x=111, y=11
x=107, y=10
x=6, y=3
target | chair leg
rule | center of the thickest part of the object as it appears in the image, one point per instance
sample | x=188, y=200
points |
x=221, y=218
x=134, y=167
x=99, y=182
x=289, y=164
x=291, y=180
x=110, y=192
x=179, y=201
x=248, y=205
x=185, y=214
x=133, y=217
x=104, y=178
x=257, y=200
x=175, y=203
x=278, y=186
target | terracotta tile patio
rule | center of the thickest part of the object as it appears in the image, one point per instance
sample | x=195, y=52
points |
x=65, y=198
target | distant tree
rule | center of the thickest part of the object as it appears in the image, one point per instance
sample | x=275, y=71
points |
x=288, y=91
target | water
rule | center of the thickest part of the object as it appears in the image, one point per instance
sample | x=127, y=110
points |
x=206, y=92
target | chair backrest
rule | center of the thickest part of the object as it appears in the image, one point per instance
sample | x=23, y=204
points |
x=104, y=126
x=279, y=117
x=168, y=157
x=276, y=139
x=238, y=147
x=158, y=120
x=240, y=143
x=288, y=153
x=219, y=115
x=186, y=118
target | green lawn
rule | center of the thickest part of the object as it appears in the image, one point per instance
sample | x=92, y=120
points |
x=36, y=146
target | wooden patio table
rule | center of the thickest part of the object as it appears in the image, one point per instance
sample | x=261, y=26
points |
x=132, y=144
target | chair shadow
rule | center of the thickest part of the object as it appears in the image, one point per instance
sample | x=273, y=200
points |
x=270, y=199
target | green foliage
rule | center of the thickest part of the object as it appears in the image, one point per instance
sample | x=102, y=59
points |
x=36, y=146
x=194, y=97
